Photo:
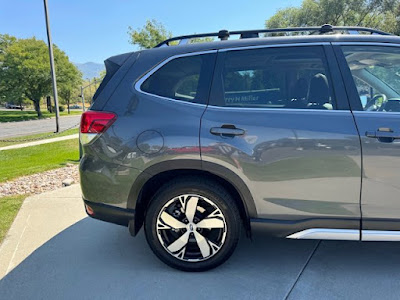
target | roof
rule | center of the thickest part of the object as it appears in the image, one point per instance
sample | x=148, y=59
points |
x=276, y=40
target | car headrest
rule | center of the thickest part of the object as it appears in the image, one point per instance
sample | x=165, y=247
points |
x=319, y=89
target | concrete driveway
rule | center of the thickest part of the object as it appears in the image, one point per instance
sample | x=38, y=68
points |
x=54, y=251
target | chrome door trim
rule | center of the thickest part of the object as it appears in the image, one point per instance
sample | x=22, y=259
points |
x=365, y=44
x=327, y=234
x=374, y=113
x=380, y=236
x=346, y=235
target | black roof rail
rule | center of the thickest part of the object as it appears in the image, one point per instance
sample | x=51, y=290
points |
x=225, y=34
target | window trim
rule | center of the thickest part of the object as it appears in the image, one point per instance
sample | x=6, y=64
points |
x=143, y=78
x=139, y=82
x=350, y=85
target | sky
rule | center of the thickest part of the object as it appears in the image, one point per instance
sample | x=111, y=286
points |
x=92, y=31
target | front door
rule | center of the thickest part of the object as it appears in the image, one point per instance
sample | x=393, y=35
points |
x=375, y=93
x=279, y=118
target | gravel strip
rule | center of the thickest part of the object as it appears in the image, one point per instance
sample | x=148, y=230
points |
x=40, y=182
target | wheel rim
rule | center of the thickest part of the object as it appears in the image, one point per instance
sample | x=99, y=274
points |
x=191, y=228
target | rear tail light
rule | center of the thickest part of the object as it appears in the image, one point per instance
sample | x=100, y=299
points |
x=93, y=123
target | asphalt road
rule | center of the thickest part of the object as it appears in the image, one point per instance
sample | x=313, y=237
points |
x=13, y=129
x=54, y=252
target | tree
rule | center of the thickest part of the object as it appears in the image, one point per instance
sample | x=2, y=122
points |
x=68, y=78
x=381, y=14
x=5, y=41
x=154, y=33
x=149, y=35
x=25, y=71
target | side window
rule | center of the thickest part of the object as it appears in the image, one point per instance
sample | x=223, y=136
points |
x=376, y=74
x=286, y=77
x=186, y=79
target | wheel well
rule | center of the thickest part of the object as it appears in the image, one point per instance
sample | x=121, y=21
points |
x=148, y=191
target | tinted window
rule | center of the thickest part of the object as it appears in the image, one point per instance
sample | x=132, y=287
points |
x=376, y=74
x=287, y=77
x=186, y=78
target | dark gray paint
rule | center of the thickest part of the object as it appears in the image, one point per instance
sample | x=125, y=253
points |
x=113, y=164
x=381, y=165
x=273, y=159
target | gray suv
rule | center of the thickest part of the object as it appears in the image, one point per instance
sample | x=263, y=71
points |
x=296, y=132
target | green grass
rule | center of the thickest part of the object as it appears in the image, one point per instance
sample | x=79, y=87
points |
x=25, y=161
x=303, y=168
x=15, y=115
x=19, y=140
x=9, y=207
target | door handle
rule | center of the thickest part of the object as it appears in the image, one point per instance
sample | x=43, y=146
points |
x=227, y=131
x=385, y=135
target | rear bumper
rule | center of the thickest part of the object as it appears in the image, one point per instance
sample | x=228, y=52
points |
x=109, y=213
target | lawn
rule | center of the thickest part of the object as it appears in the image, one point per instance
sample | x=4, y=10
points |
x=35, y=159
x=9, y=207
x=19, y=140
x=16, y=115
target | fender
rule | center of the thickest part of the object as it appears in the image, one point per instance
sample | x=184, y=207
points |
x=188, y=164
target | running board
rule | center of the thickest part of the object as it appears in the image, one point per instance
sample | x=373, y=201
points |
x=346, y=235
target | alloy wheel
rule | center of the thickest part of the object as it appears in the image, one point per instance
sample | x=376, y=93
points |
x=191, y=228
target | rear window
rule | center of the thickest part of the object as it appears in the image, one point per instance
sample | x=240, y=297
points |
x=186, y=79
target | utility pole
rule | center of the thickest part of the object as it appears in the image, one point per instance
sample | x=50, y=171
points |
x=83, y=99
x=53, y=72
x=90, y=91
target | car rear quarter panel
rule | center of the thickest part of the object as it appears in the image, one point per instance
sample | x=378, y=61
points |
x=149, y=130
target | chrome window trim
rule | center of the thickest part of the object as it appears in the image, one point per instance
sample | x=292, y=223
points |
x=144, y=77
x=275, y=45
x=328, y=111
x=365, y=44
x=173, y=100
x=139, y=82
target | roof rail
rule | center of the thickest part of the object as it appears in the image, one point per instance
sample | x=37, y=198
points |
x=224, y=35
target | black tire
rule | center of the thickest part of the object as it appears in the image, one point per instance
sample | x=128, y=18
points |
x=215, y=194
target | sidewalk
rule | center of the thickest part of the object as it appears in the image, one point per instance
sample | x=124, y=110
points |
x=40, y=218
x=40, y=142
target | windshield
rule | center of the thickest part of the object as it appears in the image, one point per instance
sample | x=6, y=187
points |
x=389, y=75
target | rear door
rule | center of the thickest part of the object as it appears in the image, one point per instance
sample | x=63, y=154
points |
x=279, y=118
x=373, y=82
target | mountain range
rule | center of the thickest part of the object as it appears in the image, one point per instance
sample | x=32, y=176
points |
x=90, y=69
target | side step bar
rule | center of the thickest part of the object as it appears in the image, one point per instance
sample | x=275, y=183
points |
x=346, y=235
